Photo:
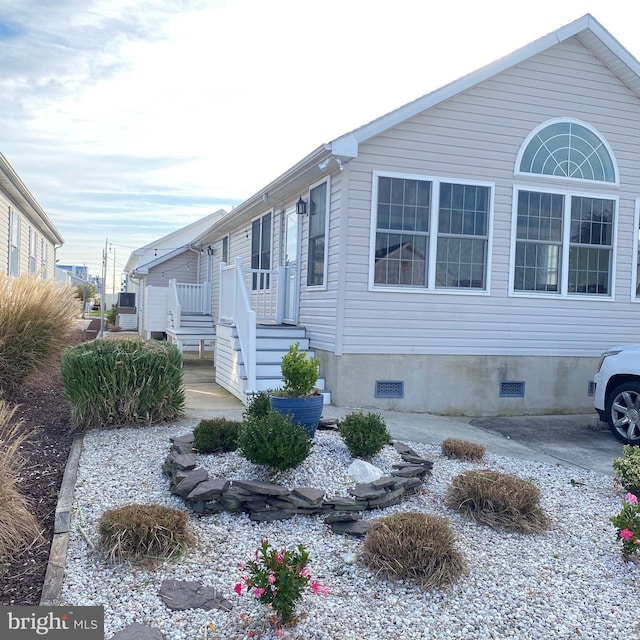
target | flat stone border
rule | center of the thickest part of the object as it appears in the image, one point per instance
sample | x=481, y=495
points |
x=54, y=576
x=266, y=501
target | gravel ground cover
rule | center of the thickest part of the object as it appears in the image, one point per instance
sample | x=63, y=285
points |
x=570, y=582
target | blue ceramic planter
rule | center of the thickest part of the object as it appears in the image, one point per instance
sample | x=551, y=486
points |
x=303, y=411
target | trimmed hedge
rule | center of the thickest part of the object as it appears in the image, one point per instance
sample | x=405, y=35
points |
x=112, y=382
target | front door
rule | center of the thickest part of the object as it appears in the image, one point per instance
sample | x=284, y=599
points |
x=291, y=242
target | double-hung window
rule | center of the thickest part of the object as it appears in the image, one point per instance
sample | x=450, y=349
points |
x=318, y=197
x=33, y=248
x=261, y=252
x=431, y=234
x=14, y=243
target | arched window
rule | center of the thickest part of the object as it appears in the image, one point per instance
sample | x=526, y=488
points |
x=569, y=150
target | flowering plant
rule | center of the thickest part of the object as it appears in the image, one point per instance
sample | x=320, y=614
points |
x=628, y=524
x=278, y=578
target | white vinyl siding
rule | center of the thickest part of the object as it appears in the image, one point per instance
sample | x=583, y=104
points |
x=183, y=267
x=476, y=136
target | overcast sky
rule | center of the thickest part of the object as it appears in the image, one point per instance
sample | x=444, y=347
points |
x=128, y=119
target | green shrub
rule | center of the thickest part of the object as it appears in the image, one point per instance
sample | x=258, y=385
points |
x=257, y=406
x=274, y=441
x=462, y=450
x=364, y=434
x=144, y=532
x=498, y=500
x=299, y=373
x=112, y=382
x=627, y=469
x=414, y=546
x=18, y=526
x=217, y=434
x=36, y=319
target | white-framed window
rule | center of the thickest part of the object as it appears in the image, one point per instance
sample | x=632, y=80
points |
x=44, y=247
x=563, y=243
x=14, y=243
x=225, y=250
x=261, y=252
x=33, y=250
x=567, y=148
x=430, y=233
x=318, y=232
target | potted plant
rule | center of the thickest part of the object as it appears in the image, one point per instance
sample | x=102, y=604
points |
x=299, y=396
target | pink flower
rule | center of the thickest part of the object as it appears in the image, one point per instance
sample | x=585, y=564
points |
x=278, y=558
x=631, y=499
x=315, y=586
x=305, y=573
x=626, y=534
x=238, y=588
x=257, y=592
x=324, y=591
x=271, y=579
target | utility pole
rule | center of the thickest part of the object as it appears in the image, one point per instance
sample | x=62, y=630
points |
x=103, y=297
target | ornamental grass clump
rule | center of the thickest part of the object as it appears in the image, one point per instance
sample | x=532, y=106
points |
x=216, y=434
x=19, y=528
x=462, y=450
x=627, y=469
x=36, y=319
x=123, y=382
x=274, y=441
x=627, y=522
x=364, y=434
x=414, y=546
x=278, y=579
x=498, y=500
x=144, y=532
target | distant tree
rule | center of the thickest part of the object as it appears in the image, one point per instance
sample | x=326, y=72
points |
x=86, y=292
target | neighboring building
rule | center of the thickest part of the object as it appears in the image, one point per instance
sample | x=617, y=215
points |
x=470, y=253
x=28, y=239
x=176, y=257
x=77, y=271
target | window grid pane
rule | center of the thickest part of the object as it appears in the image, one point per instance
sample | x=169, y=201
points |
x=462, y=236
x=401, y=258
x=317, y=227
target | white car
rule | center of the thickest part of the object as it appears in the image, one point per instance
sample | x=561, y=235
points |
x=617, y=391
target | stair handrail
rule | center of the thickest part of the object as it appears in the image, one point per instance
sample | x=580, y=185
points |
x=175, y=309
x=235, y=307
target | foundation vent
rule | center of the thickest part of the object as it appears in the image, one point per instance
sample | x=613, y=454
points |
x=389, y=389
x=591, y=391
x=511, y=389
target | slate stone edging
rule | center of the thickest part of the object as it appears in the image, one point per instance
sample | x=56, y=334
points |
x=266, y=501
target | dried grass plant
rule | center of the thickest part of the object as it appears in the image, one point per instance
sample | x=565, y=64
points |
x=462, y=450
x=498, y=500
x=144, y=533
x=19, y=529
x=416, y=546
x=36, y=319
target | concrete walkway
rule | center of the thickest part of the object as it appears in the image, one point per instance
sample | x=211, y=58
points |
x=579, y=441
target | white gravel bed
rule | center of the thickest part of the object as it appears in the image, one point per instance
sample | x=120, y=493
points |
x=568, y=583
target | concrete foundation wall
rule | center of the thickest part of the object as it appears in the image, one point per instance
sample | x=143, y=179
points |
x=461, y=385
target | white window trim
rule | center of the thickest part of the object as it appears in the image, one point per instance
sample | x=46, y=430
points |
x=325, y=273
x=546, y=177
x=636, y=246
x=433, y=236
x=566, y=224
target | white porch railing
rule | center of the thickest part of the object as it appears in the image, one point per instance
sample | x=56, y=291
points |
x=235, y=308
x=188, y=298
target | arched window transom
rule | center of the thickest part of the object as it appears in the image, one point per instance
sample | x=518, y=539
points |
x=568, y=150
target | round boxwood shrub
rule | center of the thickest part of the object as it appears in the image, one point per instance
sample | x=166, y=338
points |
x=144, y=532
x=274, y=441
x=498, y=500
x=216, y=434
x=364, y=434
x=415, y=546
x=257, y=405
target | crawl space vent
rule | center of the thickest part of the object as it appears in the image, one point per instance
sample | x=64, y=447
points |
x=510, y=389
x=389, y=389
x=591, y=391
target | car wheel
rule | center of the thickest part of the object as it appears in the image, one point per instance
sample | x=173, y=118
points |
x=623, y=412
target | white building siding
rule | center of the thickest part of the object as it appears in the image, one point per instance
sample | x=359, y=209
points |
x=184, y=268
x=477, y=136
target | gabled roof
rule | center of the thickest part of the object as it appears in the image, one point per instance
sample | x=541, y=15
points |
x=173, y=244
x=323, y=159
x=13, y=186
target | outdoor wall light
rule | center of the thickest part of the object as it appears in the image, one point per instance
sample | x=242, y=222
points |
x=210, y=250
x=301, y=207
